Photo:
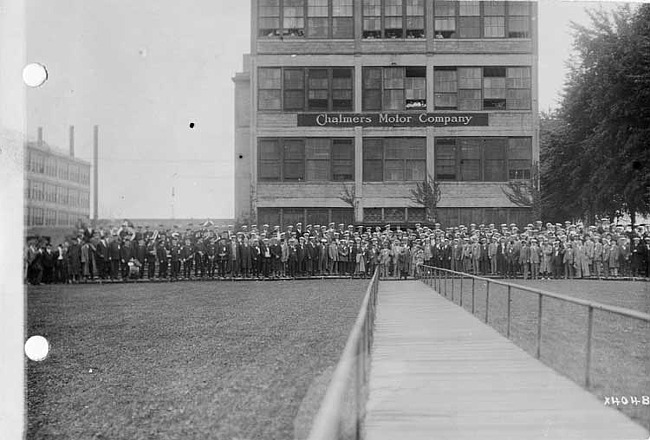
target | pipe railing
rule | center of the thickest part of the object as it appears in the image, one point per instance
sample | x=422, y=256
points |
x=340, y=416
x=434, y=276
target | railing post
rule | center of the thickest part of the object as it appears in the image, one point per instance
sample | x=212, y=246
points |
x=509, y=299
x=446, y=278
x=473, y=284
x=487, y=302
x=538, y=352
x=453, y=277
x=590, y=326
x=473, y=300
x=460, y=300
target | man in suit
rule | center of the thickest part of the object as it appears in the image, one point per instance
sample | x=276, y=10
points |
x=102, y=258
x=140, y=254
x=223, y=256
x=114, y=256
x=492, y=255
x=126, y=253
x=161, y=255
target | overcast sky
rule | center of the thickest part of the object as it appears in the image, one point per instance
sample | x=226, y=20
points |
x=144, y=70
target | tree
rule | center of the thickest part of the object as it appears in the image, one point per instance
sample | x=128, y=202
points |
x=347, y=194
x=427, y=194
x=526, y=193
x=605, y=117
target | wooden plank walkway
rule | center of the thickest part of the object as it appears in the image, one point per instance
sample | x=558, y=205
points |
x=439, y=373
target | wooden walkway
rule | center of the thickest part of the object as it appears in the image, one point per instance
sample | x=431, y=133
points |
x=439, y=373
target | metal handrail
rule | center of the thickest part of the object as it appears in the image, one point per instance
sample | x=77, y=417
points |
x=353, y=366
x=434, y=275
x=596, y=305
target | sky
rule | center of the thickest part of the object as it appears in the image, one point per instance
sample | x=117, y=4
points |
x=144, y=70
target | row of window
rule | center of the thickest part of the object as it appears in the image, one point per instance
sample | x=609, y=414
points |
x=447, y=217
x=45, y=192
x=395, y=159
x=56, y=168
x=35, y=216
x=307, y=216
x=396, y=88
x=393, y=19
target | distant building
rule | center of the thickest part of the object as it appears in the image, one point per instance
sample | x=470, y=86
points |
x=57, y=191
x=344, y=105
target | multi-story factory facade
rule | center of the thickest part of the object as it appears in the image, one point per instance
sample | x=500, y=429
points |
x=57, y=191
x=343, y=106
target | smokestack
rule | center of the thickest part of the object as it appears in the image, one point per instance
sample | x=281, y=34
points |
x=72, y=141
x=40, y=137
x=96, y=173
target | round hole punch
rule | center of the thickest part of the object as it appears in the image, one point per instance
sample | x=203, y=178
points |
x=37, y=348
x=35, y=75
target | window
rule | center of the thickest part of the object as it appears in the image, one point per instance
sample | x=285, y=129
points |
x=50, y=193
x=414, y=19
x=311, y=159
x=469, y=150
x=469, y=19
x=310, y=18
x=317, y=216
x=494, y=151
x=394, y=214
x=342, y=159
x=284, y=217
x=342, y=215
x=62, y=195
x=397, y=215
x=394, y=88
x=494, y=25
x=37, y=191
x=416, y=214
x=50, y=217
x=393, y=19
x=394, y=159
x=518, y=85
x=317, y=18
x=311, y=89
x=74, y=173
x=270, y=88
x=293, y=18
x=490, y=159
x=518, y=20
x=494, y=88
x=373, y=215
x=520, y=156
x=482, y=19
x=269, y=18
x=342, y=19
x=294, y=89
x=63, y=171
x=37, y=218
x=487, y=88
x=445, y=83
x=62, y=218
x=445, y=21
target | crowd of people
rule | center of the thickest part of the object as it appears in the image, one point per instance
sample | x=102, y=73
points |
x=535, y=251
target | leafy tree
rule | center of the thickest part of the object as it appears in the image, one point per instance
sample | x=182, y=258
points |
x=427, y=194
x=605, y=118
x=526, y=193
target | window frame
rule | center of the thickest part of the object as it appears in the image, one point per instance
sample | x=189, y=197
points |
x=407, y=17
x=338, y=13
x=333, y=104
x=418, y=103
x=370, y=160
x=467, y=94
x=483, y=157
x=282, y=162
x=459, y=18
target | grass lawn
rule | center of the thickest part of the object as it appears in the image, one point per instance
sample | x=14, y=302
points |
x=620, y=363
x=186, y=360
